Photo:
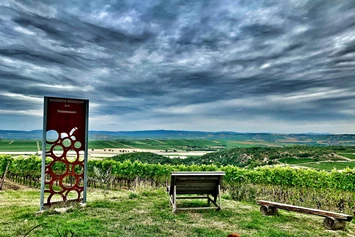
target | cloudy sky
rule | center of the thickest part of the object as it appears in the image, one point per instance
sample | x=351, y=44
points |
x=238, y=65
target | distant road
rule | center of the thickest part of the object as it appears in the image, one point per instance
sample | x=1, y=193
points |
x=18, y=152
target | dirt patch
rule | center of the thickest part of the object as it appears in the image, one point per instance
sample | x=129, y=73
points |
x=10, y=185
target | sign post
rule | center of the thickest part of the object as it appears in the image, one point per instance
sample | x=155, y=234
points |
x=64, y=151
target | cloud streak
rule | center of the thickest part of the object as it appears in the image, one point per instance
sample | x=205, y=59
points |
x=203, y=65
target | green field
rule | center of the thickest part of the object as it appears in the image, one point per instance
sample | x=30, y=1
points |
x=146, y=213
x=329, y=165
x=348, y=155
x=240, y=144
x=157, y=144
x=348, y=151
x=182, y=144
x=295, y=160
x=168, y=144
x=19, y=145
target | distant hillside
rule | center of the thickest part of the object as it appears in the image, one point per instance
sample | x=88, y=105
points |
x=313, y=139
x=258, y=156
x=251, y=157
x=20, y=135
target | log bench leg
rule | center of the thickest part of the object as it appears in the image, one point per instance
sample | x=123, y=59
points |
x=269, y=211
x=334, y=224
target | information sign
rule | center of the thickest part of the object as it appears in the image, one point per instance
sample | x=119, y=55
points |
x=64, y=151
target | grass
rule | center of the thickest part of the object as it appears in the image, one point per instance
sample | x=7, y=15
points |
x=348, y=151
x=347, y=155
x=295, y=160
x=147, y=213
x=328, y=166
x=19, y=145
x=246, y=144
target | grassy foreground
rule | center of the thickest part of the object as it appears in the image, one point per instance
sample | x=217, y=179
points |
x=147, y=213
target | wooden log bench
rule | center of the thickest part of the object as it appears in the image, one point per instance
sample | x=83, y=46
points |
x=207, y=183
x=332, y=221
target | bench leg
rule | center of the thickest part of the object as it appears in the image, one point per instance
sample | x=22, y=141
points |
x=171, y=200
x=269, y=211
x=215, y=198
x=219, y=198
x=334, y=224
x=174, y=199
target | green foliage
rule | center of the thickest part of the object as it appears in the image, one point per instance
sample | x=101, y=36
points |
x=133, y=195
x=3, y=162
x=325, y=199
x=328, y=166
x=243, y=157
x=285, y=176
x=258, y=156
x=30, y=166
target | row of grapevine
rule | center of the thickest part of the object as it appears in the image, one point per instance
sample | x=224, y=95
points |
x=3, y=163
x=291, y=177
x=26, y=171
x=283, y=176
x=305, y=187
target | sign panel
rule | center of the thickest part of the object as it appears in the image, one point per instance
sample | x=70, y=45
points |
x=64, y=151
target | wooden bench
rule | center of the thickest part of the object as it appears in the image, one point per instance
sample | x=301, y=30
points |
x=332, y=221
x=206, y=183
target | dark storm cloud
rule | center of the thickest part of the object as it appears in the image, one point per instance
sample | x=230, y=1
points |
x=16, y=103
x=160, y=62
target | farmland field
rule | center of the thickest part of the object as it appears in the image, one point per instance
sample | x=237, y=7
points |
x=181, y=144
x=307, y=156
x=328, y=166
x=295, y=160
x=348, y=155
x=18, y=145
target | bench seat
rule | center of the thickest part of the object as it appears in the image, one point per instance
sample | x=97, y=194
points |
x=206, y=184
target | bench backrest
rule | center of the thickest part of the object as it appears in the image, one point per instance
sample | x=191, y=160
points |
x=205, y=182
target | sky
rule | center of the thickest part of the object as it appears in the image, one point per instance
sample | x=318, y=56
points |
x=282, y=66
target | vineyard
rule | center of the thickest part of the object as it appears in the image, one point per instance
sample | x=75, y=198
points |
x=306, y=187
